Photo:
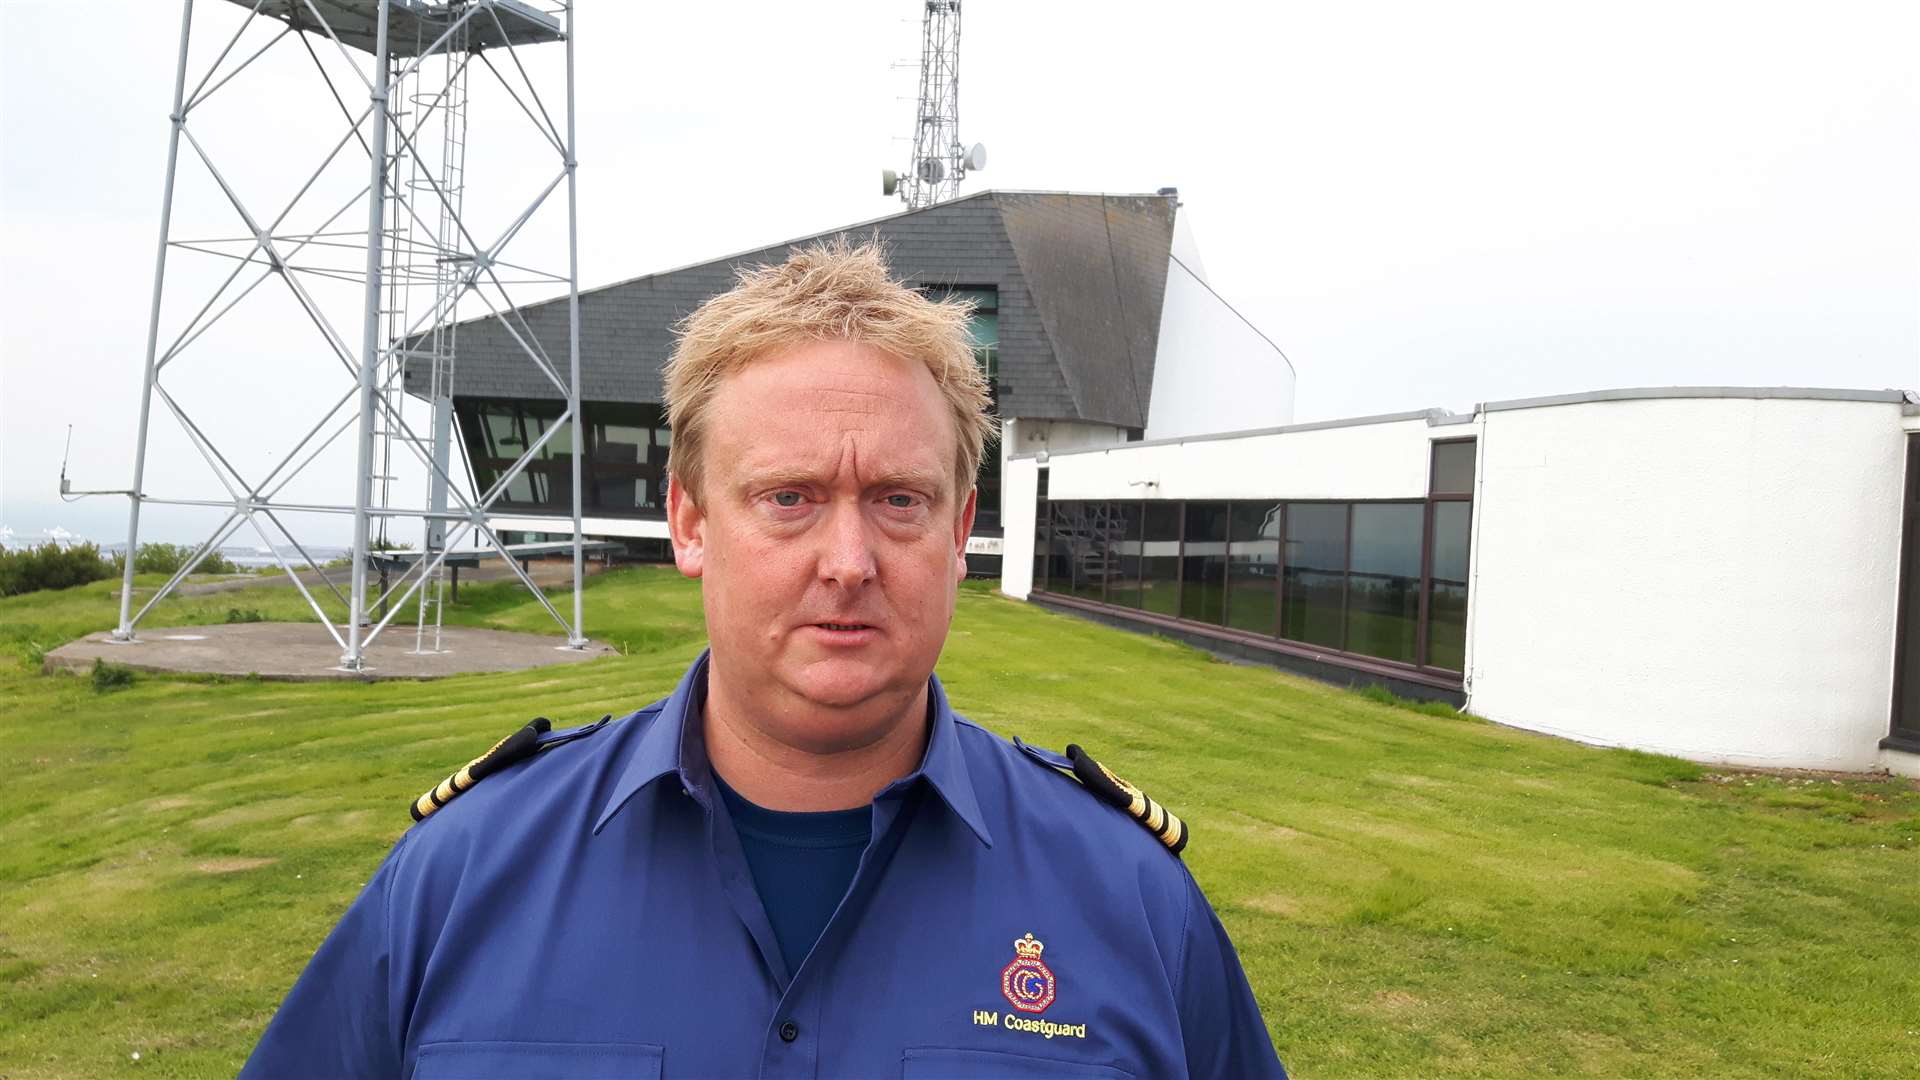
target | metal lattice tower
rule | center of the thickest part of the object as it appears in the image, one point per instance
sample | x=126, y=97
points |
x=940, y=160
x=417, y=262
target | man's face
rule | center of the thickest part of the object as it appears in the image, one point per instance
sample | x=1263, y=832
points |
x=829, y=537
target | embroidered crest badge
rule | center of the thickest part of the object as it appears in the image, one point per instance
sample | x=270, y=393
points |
x=1027, y=983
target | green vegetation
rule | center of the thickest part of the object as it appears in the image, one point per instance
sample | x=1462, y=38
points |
x=50, y=566
x=107, y=676
x=1412, y=892
x=167, y=558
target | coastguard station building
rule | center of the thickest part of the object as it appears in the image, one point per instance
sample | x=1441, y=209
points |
x=1726, y=574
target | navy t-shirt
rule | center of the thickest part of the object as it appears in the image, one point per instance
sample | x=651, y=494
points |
x=802, y=864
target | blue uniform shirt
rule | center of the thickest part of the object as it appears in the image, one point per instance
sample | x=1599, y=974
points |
x=801, y=863
x=589, y=914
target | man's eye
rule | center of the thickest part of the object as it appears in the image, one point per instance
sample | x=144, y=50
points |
x=900, y=502
x=787, y=499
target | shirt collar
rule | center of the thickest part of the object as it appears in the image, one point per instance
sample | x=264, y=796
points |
x=673, y=744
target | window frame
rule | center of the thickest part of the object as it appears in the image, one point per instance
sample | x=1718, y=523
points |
x=1903, y=732
x=1422, y=648
x=1420, y=671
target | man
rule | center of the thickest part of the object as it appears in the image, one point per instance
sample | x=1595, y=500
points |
x=803, y=862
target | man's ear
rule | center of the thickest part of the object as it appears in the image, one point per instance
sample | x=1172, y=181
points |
x=687, y=525
x=963, y=528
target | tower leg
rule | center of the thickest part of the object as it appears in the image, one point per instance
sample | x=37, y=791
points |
x=578, y=637
x=370, y=347
x=124, y=631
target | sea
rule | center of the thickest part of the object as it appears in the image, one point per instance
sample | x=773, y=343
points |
x=245, y=556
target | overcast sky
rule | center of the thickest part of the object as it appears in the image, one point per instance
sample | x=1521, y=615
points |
x=1423, y=204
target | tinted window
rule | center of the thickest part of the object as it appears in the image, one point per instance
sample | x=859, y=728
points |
x=1383, y=585
x=1253, y=567
x=1081, y=529
x=1041, y=512
x=1447, y=609
x=1059, y=548
x=1314, y=589
x=1122, y=539
x=1160, y=558
x=1203, y=573
x=1453, y=468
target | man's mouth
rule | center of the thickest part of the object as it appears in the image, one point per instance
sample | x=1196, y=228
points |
x=843, y=626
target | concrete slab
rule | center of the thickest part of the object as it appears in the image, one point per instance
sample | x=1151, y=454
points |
x=303, y=652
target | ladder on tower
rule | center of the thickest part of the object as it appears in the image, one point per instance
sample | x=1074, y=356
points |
x=449, y=277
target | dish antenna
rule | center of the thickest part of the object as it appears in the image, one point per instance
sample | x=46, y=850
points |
x=940, y=160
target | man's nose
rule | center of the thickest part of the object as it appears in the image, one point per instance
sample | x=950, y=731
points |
x=849, y=552
x=848, y=556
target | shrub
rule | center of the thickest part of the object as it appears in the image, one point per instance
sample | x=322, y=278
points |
x=238, y=615
x=50, y=566
x=111, y=676
x=167, y=558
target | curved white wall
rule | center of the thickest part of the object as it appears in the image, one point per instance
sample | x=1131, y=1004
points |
x=1708, y=577
x=1212, y=371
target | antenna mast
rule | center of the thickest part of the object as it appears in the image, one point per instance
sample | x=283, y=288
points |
x=940, y=160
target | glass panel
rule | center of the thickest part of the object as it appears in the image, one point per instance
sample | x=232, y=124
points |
x=1087, y=558
x=1453, y=468
x=1041, y=513
x=1253, y=567
x=1059, y=549
x=472, y=432
x=1313, y=605
x=1447, y=610
x=1383, y=587
x=1204, y=563
x=986, y=509
x=1123, y=554
x=503, y=430
x=1160, y=558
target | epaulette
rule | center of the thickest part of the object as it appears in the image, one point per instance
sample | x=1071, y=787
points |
x=536, y=736
x=1115, y=792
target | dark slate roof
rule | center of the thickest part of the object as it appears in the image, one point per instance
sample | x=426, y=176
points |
x=1081, y=279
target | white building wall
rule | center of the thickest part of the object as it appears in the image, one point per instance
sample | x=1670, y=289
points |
x=1386, y=460
x=1212, y=370
x=1023, y=436
x=1707, y=577
x=1020, y=483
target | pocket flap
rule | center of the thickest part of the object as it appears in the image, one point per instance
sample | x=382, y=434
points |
x=537, y=1061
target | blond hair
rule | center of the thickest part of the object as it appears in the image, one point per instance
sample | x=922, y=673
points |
x=829, y=291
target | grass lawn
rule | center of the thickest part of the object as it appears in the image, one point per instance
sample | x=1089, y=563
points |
x=1413, y=893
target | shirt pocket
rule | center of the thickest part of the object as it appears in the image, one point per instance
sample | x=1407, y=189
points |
x=922, y=1063
x=537, y=1061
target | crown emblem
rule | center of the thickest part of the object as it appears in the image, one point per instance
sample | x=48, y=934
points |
x=1028, y=983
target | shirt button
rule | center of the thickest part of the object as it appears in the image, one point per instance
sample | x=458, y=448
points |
x=789, y=1031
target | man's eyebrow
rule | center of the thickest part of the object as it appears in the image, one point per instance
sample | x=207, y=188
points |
x=932, y=480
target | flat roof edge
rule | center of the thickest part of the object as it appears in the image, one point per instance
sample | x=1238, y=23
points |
x=1431, y=416
x=1654, y=393
x=1908, y=400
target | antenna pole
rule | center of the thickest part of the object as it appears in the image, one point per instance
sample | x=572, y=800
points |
x=124, y=632
x=939, y=159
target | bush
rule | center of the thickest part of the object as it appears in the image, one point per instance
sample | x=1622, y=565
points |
x=167, y=558
x=238, y=615
x=50, y=566
x=110, y=676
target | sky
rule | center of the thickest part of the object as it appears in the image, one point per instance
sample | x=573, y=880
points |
x=1424, y=205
